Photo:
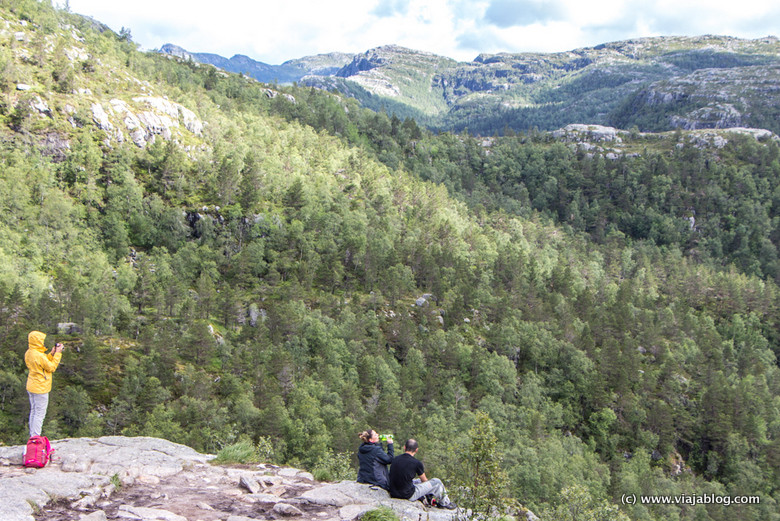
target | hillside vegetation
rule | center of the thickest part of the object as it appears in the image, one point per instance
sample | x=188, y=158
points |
x=244, y=263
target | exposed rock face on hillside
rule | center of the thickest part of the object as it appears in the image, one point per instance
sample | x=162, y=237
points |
x=393, y=71
x=593, y=132
x=160, y=480
x=714, y=98
x=161, y=118
x=388, y=69
x=131, y=111
x=321, y=64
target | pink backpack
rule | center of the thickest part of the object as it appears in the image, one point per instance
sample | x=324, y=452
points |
x=38, y=452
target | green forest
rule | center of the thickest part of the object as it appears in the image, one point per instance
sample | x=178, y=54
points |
x=306, y=268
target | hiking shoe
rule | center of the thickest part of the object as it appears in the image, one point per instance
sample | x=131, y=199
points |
x=449, y=506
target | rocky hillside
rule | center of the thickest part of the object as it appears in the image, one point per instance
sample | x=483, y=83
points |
x=149, y=479
x=121, y=105
x=654, y=83
x=707, y=98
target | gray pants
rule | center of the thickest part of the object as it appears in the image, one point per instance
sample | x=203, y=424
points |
x=38, y=405
x=432, y=486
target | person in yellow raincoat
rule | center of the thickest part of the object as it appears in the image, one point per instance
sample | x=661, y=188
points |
x=41, y=366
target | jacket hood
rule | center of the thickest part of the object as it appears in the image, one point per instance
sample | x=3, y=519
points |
x=367, y=447
x=35, y=340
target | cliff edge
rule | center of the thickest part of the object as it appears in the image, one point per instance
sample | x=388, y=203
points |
x=149, y=479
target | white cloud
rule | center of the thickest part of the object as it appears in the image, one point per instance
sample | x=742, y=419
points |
x=275, y=32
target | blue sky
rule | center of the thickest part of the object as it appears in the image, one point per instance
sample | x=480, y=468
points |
x=276, y=31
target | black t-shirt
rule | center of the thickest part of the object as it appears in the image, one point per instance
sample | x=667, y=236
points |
x=403, y=470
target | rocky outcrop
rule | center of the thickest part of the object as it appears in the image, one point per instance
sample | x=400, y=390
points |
x=719, y=138
x=715, y=98
x=578, y=132
x=149, y=479
x=144, y=119
x=175, y=50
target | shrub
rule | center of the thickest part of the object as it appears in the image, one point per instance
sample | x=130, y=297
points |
x=380, y=514
x=240, y=452
x=334, y=467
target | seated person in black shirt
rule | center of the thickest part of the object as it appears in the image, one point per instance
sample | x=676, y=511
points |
x=404, y=485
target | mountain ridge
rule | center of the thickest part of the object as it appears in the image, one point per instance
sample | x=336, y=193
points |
x=288, y=72
x=589, y=85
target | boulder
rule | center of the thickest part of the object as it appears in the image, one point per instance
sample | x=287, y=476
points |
x=250, y=484
x=286, y=510
x=40, y=106
x=100, y=117
x=68, y=328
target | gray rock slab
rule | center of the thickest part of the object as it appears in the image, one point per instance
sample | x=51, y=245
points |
x=17, y=498
x=94, y=516
x=148, y=514
x=263, y=498
x=286, y=510
x=326, y=496
x=52, y=482
x=345, y=493
x=360, y=492
x=351, y=512
x=11, y=455
x=129, y=458
x=169, y=448
x=83, y=467
x=414, y=510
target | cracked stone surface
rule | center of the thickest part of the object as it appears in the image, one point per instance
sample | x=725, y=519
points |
x=148, y=479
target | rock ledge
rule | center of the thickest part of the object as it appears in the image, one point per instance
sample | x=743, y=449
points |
x=149, y=479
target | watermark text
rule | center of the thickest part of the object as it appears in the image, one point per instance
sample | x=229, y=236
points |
x=690, y=499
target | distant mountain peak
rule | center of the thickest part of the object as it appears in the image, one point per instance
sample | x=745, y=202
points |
x=175, y=50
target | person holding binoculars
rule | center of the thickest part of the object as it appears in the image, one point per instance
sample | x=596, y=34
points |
x=41, y=366
x=373, y=459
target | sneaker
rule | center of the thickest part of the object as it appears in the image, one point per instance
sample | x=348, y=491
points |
x=449, y=506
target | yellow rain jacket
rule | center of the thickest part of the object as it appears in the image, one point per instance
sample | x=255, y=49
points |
x=40, y=364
